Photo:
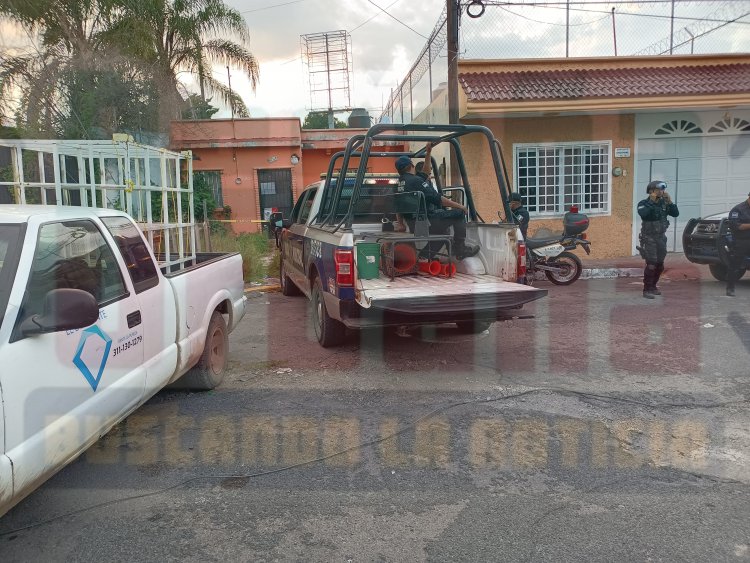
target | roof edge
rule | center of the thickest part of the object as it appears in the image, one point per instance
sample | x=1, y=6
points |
x=578, y=63
x=588, y=105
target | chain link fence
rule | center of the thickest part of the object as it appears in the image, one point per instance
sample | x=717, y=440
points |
x=571, y=28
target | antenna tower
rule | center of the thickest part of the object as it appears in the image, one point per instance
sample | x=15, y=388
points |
x=328, y=59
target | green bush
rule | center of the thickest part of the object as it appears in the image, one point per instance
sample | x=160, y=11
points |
x=258, y=253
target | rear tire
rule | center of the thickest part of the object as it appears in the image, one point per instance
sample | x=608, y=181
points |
x=571, y=265
x=473, y=327
x=329, y=331
x=208, y=373
x=287, y=286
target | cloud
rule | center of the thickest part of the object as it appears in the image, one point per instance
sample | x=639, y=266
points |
x=382, y=49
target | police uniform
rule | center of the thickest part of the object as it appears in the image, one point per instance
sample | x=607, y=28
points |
x=740, y=249
x=440, y=219
x=655, y=222
x=521, y=216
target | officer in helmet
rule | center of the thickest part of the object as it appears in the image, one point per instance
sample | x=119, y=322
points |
x=520, y=214
x=739, y=223
x=440, y=218
x=655, y=211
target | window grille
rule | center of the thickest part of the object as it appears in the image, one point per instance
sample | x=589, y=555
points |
x=551, y=178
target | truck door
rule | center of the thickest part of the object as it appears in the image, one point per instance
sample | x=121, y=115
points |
x=156, y=299
x=293, y=239
x=61, y=390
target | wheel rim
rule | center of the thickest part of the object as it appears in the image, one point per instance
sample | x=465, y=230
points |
x=218, y=351
x=282, y=276
x=567, y=269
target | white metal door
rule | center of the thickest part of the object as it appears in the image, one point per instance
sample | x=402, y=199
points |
x=665, y=169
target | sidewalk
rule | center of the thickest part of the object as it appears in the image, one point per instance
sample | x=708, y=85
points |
x=676, y=266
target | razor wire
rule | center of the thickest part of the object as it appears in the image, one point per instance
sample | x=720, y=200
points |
x=539, y=29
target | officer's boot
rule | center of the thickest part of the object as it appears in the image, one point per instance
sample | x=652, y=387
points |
x=657, y=274
x=648, y=281
x=730, y=283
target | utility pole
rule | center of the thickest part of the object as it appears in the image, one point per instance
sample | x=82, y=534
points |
x=452, y=29
x=614, y=31
x=671, y=31
x=567, y=29
x=454, y=7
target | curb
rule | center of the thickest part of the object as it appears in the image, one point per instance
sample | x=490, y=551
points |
x=607, y=273
x=263, y=289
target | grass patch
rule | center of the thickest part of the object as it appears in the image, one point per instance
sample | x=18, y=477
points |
x=259, y=254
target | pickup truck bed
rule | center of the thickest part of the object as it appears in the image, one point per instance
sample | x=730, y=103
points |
x=418, y=294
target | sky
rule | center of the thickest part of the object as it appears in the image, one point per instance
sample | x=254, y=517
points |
x=382, y=49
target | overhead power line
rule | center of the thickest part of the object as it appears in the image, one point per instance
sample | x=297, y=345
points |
x=396, y=19
x=272, y=6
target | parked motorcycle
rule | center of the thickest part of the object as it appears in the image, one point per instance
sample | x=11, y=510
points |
x=550, y=254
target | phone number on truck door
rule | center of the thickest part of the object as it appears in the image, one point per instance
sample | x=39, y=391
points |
x=127, y=345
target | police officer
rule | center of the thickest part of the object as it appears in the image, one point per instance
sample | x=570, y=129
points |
x=654, y=212
x=520, y=214
x=739, y=224
x=440, y=218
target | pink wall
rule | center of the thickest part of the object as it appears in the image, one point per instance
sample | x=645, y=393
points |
x=240, y=148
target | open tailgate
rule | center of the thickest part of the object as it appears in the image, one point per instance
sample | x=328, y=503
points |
x=462, y=293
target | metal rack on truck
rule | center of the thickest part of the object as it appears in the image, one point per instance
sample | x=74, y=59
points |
x=152, y=185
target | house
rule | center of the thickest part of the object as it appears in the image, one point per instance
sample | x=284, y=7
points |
x=594, y=131
x=259, y=164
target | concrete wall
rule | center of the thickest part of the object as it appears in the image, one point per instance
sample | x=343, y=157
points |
x=610, y=234
x=239, y=149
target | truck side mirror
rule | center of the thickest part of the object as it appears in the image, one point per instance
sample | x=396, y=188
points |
x=64, y=309
x=275, y=220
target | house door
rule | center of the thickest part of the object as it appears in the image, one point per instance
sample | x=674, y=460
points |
x=665, y=169
x=275, y=191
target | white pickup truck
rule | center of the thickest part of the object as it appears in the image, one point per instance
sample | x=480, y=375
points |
x=90, y=328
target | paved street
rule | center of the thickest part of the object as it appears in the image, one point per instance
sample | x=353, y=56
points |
x=607, y=428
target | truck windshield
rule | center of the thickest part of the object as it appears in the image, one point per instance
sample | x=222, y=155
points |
x=10, y=249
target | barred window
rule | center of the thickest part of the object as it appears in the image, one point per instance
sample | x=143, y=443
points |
x=551, y=178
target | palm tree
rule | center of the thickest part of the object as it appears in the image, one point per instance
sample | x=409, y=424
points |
x=101, y=64
x=190, y=37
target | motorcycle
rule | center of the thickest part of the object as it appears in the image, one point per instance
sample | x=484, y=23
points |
x=550, y=254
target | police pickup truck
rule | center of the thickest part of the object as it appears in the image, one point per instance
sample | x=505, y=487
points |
x=90, y=329
x=338, y=250
x=704, y=241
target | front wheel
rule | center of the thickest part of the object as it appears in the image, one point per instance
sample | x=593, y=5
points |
x=719, y=271
x=329, y=331
x=569, y=268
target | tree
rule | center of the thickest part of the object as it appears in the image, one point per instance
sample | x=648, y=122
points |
x=102, y=66
x=191, y=37
x=198, y=108
x=319, y=120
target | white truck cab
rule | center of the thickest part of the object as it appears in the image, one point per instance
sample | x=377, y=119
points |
x=91, y=328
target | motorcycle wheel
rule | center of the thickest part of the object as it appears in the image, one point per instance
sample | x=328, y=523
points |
x=570, y=268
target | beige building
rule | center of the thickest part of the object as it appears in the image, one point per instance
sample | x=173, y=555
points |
x=593, y=132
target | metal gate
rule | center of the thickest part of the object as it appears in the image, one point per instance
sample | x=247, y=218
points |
x=275, y=191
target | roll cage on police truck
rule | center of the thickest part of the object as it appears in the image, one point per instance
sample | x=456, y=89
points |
x=338, y=250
